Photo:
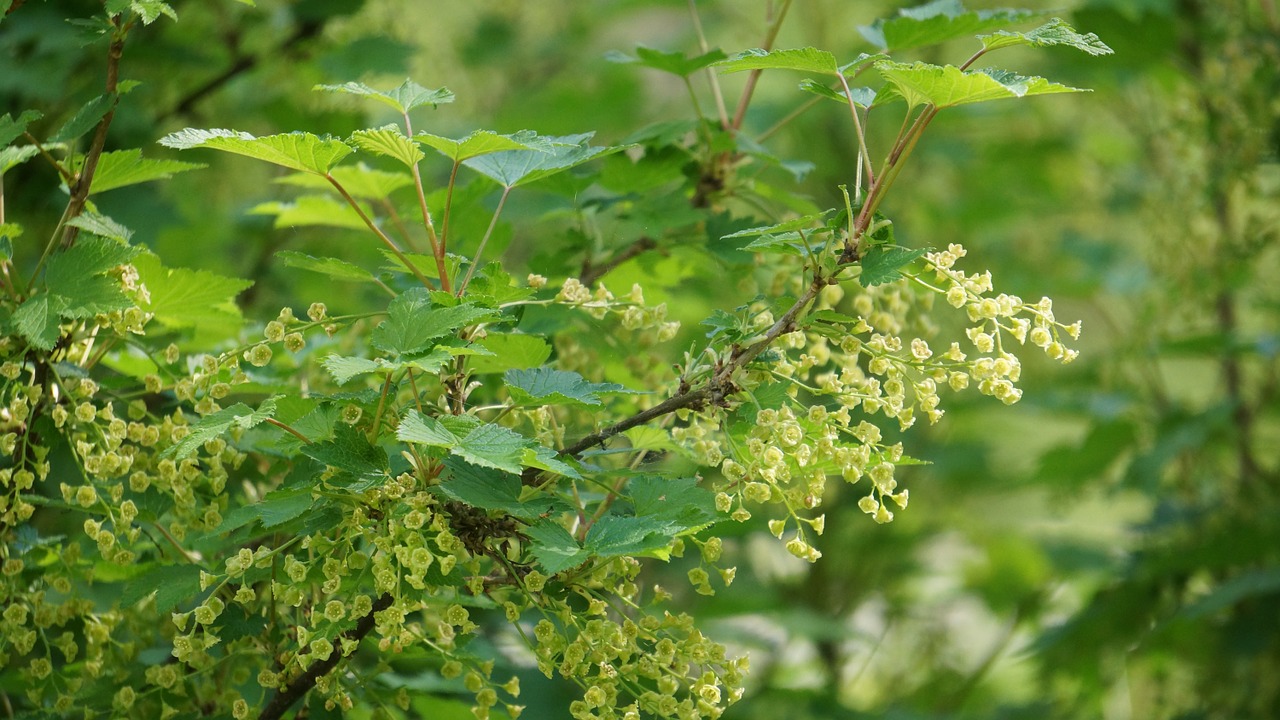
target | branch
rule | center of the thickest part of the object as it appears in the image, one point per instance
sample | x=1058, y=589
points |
x=592, y=272
x=80, y=189
x=286, y=696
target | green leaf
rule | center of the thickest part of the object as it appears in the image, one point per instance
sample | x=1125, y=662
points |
x=545, y=386
x=679, y=502
x=544, y=458
x=425, y=430
x=481, y=142
x=883, y=263
x=412, y=324
x=102, y=226
x=554, y=547
x=333, y=267
x=214, y=425
x=675, y=63
x=185, y=298
x=491, y=490
x=84, y=119
x=312, y=211
x=359, y=180
x=862, y=96
x=404, y=98
x=12, y=128
x=798, y=223
x=171, y=584
x=276, y=508
x=1054, y=32
x=296, y=150
x=12, y=157
x=947, y=86
x=937, y=22
x=493, y=446
x=390, y=142
x=349, y=451
x=514, y=168
x=149, y=10
x=77, y=274
x=807, y=59
x=121, y=168
x=511, y=351
x=618, y=535
x=39, y=318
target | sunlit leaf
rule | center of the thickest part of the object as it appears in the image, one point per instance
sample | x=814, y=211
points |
x=884, y=263
x=948, y=86
x=404, y=98
x=937, y=22
x=481, y=142
x=360, y=180
x=1054, y=32
x=127, y=167
x=546, y=386
x=296, y=150
x=808, y=59
x=514, y=168
x=312, y=210
x=214, y=425
x=333, y=267
x=390, y=142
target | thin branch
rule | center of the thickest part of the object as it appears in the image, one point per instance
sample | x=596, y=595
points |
x=592, y=272
x=291, y=693
x=437, y=248
x=305, y=440
x=475, y=258
x=857, y=127
x=386, y=240
x=754, y=76
x=804, y=107
x=712, y=80
x=80, y=189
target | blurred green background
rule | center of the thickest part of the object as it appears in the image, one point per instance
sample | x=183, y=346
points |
x=1109, y=547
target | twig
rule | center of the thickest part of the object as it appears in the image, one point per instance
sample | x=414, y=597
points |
x=291, y=693
x=592, y=272
x=754, y=76
x=721, y=111
x=80, y=189
x=386, y=240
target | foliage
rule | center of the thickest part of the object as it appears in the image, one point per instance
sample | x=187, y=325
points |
x=452, y=454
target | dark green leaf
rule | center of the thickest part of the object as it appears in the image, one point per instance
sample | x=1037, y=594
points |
x=675, y=63
x=618, y=535
x=680, y=502
x=937, y=22
x=214, y=425
x=277, y=507
x=554, y=547
x=349, y=451
x=883, y=263
x=487, y=489
x=545, y=386
x=412, y=324
x=11, y=129
x=333, y=267
x=84, y=119
x=171, y=584
x=38, y=319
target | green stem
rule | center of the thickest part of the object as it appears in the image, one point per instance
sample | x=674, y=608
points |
x=475, y=259
x=749, y=89
x=386, y=240
x=437, y=248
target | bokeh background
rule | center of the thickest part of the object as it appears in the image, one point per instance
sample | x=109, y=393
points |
x=1108, y=547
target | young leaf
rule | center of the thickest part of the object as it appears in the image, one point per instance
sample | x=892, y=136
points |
x=412, y=324
x=936, y=22
x=333, y=267
x=404, y=98
x=675, y=63
x=544, y=458
x=493, y=446
x=808, y=59
x=390, y=142
x=127, y=167
x=360, y=180
x=78, y=275
x=514, y=168
x=798, y=223
x=84, y=119
x=295, y=150
x=1054, y=32
x=510, y=350
x=554, y=547
x=862, y=96
x=480, y=142
x=545, y=386
x=102, y=226
x=38, y=319
x=883, y=263
x=12, y=128
x=12, y=157
x=185, y=298
x=490, y=489
x=617, y=535
x=948, y=86
x=216, y=424
x=312, y=210
x=425, y=430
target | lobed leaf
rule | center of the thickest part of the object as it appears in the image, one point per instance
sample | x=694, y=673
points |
x=514, y=168
x=295, y=150
x=883, y=263
x=546, y=386
x=946, y=86
x=408, y=96
x=85, y=118
x=120, y=168
x=481, y=142
x=312, y=211
x=676, y=63
x=1054, y=32
x=388, y=141
x=553, y=546
x=360, y=180
x=12, y=157
x=936, y=22
x=412, y=323
x=807, y=59
x=214, y=425
x=12, y=128
x=180, y=297
x=333, y=267
x=102, y=226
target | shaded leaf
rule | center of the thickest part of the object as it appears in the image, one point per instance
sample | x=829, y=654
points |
x=102, y=226
x=554, y=547
x=514, y=168
x=349, y=450
x=359, y=180
x=84, y=119
x=1054, y=32
x=489, y=489
x=277, y=507
x=12, y=157
x=171, y=584
x=333, y=267
x=937, y=22
x=214, y=425
x=675, y=63
x=12, y=128
x=546, y=386
x=883, y=263
x=38, y=319
x=295, y=150
x=312, y=210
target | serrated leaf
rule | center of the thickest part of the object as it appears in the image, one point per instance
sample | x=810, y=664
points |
x=84, y=119
x=618, y=535
x=214, y=425
x=1054, y=32
x=862, y=96
x=546, y=386
x=554, y=547
x=492, y=490
x=510, y=350
x=149, y=10
x=424, y=430
x=276, y=508
x=295, y=150
x=946, y=86
x=121, y=168
x=390, y=142
x=12, y=157
x=333, y=267
x=493, y=446
x=404, y=98
x=312, y=211
x=784, y=244
x=12, y=128
x=806, y=59
x=412, y=323
x=181, y=297
x=38, y=319
x=798, y=223
x=544, y=458
x=937, y=22
x=171, y=584
x=514, y=168
x=675, y=63
x=680, y=502
x=360, y=180
x=102, y=226
x=481, y=142
x=350, y=451
x=77, y=274
x=883, y=263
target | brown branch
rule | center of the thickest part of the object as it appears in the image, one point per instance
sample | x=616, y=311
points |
x=291, y=693
x=716, y=388
x=80, y=188
x=592, y=272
